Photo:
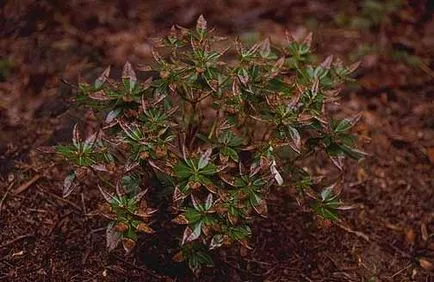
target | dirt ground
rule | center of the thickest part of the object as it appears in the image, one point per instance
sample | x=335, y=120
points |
x=389, y=236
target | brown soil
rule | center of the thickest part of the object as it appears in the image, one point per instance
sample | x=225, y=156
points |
x=389, y=236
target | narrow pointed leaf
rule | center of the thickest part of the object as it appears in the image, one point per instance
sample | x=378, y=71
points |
x=102, y=78
x=295, y=136
x=276, y=173
x=112, y=115
x=208, y=202
x=68, y=185
x=129, y=77
x=76, y=138
x=204, y=159
x=201, y=23
x=327, y=62
x=113, y=237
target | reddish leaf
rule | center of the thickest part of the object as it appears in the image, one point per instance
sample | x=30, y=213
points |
x=143, y=227
x=128, y=244
x=113, y=237
x=76, y=138
x=201, y=23
x=178, y=257
x=308, y=40
x=68, y=185
x=129, y=76
x=180, y=219
x=102, y=78
x=99, y=95
x=327, y=62
x=264, y=48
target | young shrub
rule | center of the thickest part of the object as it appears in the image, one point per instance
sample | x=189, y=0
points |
x=211, y=134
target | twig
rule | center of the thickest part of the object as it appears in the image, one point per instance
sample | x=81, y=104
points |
x=403, y=269
x=5, y=195
x=27, y=185
x=60, y=199
x=16, y=240
x=357, y=233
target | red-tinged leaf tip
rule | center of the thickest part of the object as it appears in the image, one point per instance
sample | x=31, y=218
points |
x=100, y=167
x=178, y=257
x=265, y=48
x=128, y=75
x=102, y=78
x=68, y=185
x=180, y=219
x=201, y=23
x=76, y=138
x=279, y=63
x=195, y=233
x=187, y=233
x=113, y=237
x=143, y=227
x=308, y=40
x=99, y=95
x=351, y=68
x=327, y=62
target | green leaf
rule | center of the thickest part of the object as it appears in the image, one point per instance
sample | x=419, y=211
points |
x=204, y=258
x=343, y=126
x=182, y=170
x=327, y=193
x=334, y=150
x=327, y=213
x=192, y=215
x=112, y=115
x=347, y=124
x=240, y=232
x=210, y=169
x=228, y=151
x=353, y=153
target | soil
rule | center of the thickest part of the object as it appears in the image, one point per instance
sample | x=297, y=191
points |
x=388, y=236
